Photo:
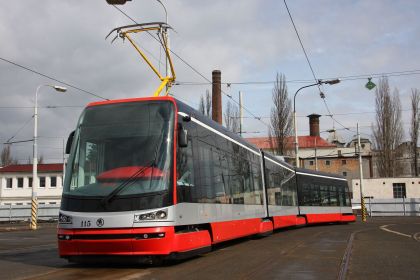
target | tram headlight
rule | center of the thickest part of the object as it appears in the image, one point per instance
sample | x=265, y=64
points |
x=151, y=216
x=64, y=219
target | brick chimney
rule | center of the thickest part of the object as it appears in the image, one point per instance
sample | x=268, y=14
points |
x=216, y=99
x=314, y=124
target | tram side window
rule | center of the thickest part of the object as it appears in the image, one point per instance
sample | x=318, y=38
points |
x=255, y=196
x=289, y=185
x=347, y=194
x=333, y=196
x=206, y=192
x=305, y=194
x=325, y=195
x=220, y=179
x=185, y=173
x=342, y=195
x=236, y=179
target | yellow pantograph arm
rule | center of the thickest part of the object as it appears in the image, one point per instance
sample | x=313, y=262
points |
x=165, y=81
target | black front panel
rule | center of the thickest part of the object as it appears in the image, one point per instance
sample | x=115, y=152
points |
x=120, y=203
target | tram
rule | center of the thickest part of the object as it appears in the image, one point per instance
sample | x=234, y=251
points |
x=153, y=177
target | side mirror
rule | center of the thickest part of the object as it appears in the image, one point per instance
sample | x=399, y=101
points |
x=69, y=142
x=182, y=136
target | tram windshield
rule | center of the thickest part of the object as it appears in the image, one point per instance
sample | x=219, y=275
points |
x=122, y=149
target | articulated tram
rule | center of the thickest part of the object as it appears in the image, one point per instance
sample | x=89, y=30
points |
x=152, y=177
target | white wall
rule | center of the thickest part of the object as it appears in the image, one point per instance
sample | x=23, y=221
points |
x=382, y=188
x=16, y=196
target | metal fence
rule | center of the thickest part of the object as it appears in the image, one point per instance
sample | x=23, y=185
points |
x=13, y=213
x=374, y=207
x=391, y=207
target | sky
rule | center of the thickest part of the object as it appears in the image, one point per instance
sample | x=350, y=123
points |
x=248, y=40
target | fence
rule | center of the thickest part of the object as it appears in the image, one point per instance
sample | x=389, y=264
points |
x=391, y=207
x=374, y=207
x=12, y=213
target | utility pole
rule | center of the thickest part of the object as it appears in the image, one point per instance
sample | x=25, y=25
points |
x=240, y=113
x=362, y=200
x=64, y=162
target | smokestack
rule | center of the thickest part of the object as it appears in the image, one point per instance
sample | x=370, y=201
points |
x=314, y=124
x=216, y=100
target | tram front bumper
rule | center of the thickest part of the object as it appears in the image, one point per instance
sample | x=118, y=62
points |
x=128, y=241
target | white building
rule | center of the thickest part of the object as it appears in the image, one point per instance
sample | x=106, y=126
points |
x=16, y=184
x=387, y=188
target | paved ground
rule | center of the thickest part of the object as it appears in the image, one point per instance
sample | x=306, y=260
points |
x=382, y=248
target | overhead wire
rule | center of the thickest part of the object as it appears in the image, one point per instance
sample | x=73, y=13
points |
x=52, y=78
x=196, y=71
x=42, y=107
x=19, y=130
x=311, y=68
x=341, y=78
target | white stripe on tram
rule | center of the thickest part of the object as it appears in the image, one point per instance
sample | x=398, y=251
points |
x=321, y=176
x=219, y=133
x=278, y=163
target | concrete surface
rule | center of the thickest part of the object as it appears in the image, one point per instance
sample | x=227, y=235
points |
x=382, y=248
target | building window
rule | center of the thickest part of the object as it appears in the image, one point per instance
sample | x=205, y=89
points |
x=53, y=203
x=9, y=183
x=311, y=162
x=399, y=190
x=339, y=153
x=30, y=182
x=19, y=203
x=343, y=162
x=344, y=173
x=53, y=182
x=42, y=182
x=327, y=162
x=20, y=183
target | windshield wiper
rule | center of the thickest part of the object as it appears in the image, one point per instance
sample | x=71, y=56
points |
x=105, y=201
x=134, y=177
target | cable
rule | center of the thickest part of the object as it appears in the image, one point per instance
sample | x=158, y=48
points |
x=42, y=107
x=197, y=72
x=300, y=41
x=341, y=78
x=51, y=78
x=25, y=124
x=310, y=65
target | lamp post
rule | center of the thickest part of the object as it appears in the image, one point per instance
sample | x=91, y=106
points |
x=320, y=82
x=34, y=204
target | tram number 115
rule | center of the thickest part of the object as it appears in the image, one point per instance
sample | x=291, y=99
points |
x=85, y=223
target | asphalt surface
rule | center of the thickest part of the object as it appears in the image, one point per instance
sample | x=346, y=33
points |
x=382, y=248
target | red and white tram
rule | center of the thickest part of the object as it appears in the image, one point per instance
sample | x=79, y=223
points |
x=154, y=177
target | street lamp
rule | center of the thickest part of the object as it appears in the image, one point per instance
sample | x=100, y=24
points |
x=320, y=82
x=34, y=204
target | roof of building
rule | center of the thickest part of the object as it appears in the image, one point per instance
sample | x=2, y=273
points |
x=26, y=168
x=305, y=142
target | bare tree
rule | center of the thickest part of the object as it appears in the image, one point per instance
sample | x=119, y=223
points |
x=205, y=104
x=232, y=117
x=281, y=115
x=388, y=130
x=414, y=130
x=6, y=156
x=41, y=159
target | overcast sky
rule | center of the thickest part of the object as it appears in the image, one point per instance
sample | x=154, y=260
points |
x=248, y=40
